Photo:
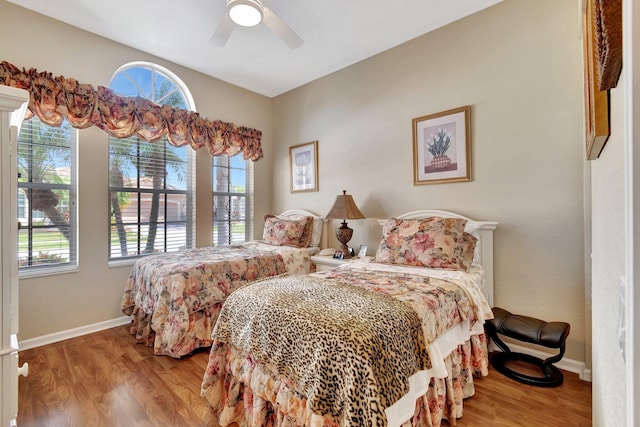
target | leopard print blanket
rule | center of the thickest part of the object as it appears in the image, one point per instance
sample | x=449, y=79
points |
x=349, y=350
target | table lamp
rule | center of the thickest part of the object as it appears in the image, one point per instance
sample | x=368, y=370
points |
x=344, y=208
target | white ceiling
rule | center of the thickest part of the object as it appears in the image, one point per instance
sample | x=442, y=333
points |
x=336, y=33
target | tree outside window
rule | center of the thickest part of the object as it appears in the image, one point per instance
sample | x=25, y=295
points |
x=46, y=196
x=232, y=200
x=151, y=184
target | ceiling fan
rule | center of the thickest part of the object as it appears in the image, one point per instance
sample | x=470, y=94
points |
x=249, y=13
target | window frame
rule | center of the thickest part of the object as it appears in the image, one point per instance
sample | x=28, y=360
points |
x=35, y=270
x=140, y=191
x=249, y=201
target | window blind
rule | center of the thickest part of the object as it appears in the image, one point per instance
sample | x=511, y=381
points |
x=232, y=200
x=47, y=196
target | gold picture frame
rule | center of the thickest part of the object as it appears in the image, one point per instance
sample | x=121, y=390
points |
x=596, y=101
x=442, y=147
x=608, y=36
x=303, y=167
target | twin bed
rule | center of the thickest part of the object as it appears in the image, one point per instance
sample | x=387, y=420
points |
x=175, y=298
x=391, y=340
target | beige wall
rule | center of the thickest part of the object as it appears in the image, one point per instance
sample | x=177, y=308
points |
x=615, y=195
x=608, y=218
x=519, y=65
x=57, y=303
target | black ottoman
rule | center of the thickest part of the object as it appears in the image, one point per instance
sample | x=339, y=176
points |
x=535, y=331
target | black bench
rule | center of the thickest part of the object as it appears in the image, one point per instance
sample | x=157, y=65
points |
x=535, y=331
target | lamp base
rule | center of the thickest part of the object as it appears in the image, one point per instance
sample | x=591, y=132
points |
x=344, y=234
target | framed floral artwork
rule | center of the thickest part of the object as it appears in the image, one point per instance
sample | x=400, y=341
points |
x=303, y=167
x=442, y=147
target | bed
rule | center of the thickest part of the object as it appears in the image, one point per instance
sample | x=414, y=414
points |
x=174, y=299
x=391, y=340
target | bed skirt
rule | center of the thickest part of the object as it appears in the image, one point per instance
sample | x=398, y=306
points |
x=201, y=325
x=250, y=394
x=175, y=298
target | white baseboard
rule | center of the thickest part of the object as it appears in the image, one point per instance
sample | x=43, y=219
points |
x=72, y=333
x=565, y=364
x=569, y=365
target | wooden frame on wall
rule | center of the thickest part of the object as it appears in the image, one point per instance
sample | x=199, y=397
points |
x=303, y=167
x=608, y=36
x=442, y=147
x=596, y=101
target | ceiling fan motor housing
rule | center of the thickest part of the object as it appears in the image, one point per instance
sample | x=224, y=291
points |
x=247, y=13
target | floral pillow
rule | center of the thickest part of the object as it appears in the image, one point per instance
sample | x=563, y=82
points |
x=316, y=230
x=429, y=242
x=468, y=251
x=287, y=232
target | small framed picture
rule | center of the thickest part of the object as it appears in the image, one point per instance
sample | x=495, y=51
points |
x=362, y=252
x=303, y=167
x=442, y=147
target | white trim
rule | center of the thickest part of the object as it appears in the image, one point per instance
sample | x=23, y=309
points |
x=10, y=99
x=630, y=76
x=296, y=212
x=122, y=263
x=51, y=141
x=73, y=333
x=49, y=271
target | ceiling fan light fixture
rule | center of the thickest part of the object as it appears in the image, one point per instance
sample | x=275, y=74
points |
x=247, y=13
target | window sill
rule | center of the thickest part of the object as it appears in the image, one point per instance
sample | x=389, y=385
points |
x=123, y=263
x=52, y=271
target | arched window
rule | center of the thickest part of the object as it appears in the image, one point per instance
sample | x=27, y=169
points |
x=151, y=184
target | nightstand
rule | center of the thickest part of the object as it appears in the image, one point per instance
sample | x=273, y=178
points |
x=327, y=262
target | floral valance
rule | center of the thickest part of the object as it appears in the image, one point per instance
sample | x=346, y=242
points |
x=54, y=99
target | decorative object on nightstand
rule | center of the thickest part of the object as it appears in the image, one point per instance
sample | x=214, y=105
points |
x=344, y=208
x=362, y=252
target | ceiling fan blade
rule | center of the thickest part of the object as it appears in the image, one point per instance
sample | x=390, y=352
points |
x=223, y=32
x=279, y=27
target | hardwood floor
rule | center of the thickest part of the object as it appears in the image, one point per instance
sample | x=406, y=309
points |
x=500, y=401
x=105, y=379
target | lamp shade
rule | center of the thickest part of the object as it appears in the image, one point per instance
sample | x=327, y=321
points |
x=344, y=208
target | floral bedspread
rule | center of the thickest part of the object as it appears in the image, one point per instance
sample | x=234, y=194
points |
x=250, y=389
x=440, y=304
x=175, y=298
x=471, y=282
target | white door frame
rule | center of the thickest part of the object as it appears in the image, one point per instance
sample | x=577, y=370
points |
x=631, y=76
x=11, y=99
